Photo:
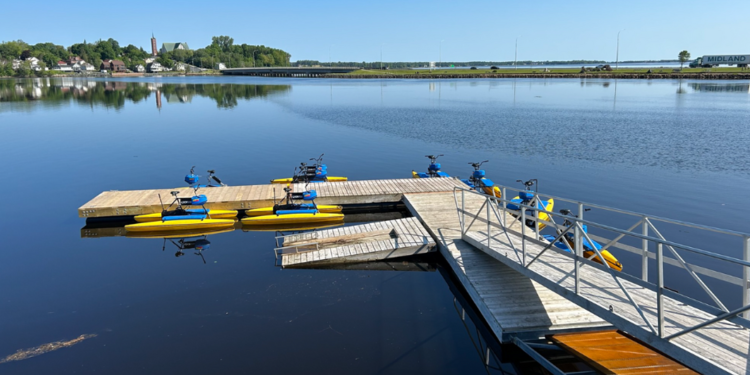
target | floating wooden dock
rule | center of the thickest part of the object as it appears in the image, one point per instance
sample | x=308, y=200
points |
x=613, y=352
x=137, y=202
x=511, y=303
x=518, y=300
x=359, y=243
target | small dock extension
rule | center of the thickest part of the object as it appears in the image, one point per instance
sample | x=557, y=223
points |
x=613, y=352
x=359, y=243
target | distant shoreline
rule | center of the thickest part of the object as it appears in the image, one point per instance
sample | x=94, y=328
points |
x=706, y=76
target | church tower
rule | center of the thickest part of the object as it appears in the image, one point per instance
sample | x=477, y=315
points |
x=153, y=45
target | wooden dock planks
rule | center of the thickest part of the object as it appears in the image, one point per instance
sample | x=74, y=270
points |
x=137, y=202
x=359, y=243
x=612, y=352
x=511, y=303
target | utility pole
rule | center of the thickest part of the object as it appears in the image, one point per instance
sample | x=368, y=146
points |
x=441, y=53
x=617, y=58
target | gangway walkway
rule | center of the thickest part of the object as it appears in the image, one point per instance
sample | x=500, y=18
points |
x=705, y=338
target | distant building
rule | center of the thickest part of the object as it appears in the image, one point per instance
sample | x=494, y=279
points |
x=75, y=59
x=115, y=66
x=220, y=66
x=63, y=67
x=149, y=60
x=140, y=69
x=154, y=51
x=83, y=66
x=169, y=47
x=118, y=66
x=154, y=67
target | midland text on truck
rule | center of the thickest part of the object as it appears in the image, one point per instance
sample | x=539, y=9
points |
x=708, y=61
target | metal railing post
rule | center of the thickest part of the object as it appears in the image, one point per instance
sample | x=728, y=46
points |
x=746, y=275
x=660, y=287
x=537, y=203
x=578, y=250
x=644, y=248
x=502, y=207
x=523, y=234
x=463, y=211
x=488, y=222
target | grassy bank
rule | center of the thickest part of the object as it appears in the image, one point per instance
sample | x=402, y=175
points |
x=541, y=71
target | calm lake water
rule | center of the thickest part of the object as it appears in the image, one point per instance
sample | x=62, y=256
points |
x=667, y=148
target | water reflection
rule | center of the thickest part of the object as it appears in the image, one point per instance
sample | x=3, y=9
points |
x=114, y=94
x=743, y=88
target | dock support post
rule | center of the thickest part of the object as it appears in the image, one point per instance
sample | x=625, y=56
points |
x=644, y=249
x=746, y=275
x=660, y=287
x=523, y=234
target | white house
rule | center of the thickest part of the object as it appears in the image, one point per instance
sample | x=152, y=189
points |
x=140, y=69
x=154, y=67
x=63, y=68
x=220, y=66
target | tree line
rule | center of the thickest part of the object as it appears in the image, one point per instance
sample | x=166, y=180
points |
x=222, y=49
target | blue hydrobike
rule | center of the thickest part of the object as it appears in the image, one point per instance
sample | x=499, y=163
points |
x=317, y=172
x=528, y=197
x=568, y=240
x=480, y=183
x=289, y=212
x=182, y=219
x=433, y=170
x=192, y=179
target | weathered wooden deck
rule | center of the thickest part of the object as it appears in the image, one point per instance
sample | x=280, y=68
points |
x=138, y=202
x=358, y=243
x=720, y=348
x=511, y=303
x=612, y=352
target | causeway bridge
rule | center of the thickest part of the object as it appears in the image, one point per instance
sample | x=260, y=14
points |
x=286, y=71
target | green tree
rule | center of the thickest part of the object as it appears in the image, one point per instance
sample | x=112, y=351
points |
x=165, y=61
x=223, y=42
x=683, y=56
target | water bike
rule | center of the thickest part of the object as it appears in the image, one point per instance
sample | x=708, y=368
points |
x=528, y=197
x=433, y=170
x=180, y=218
x=192, y=179
x=567, y=243
x=293, y=213
x=478, y=182
x=317, y=172
x=196, y=200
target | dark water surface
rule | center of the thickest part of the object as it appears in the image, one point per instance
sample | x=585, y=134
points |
x=668, y=148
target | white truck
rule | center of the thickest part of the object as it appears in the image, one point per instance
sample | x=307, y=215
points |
x=709, y=61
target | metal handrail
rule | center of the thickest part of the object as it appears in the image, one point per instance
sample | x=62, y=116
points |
x=633, y=213
x=280, y=250
x=577, y=222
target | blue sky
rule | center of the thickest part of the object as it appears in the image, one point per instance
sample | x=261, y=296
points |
x=406, y=30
